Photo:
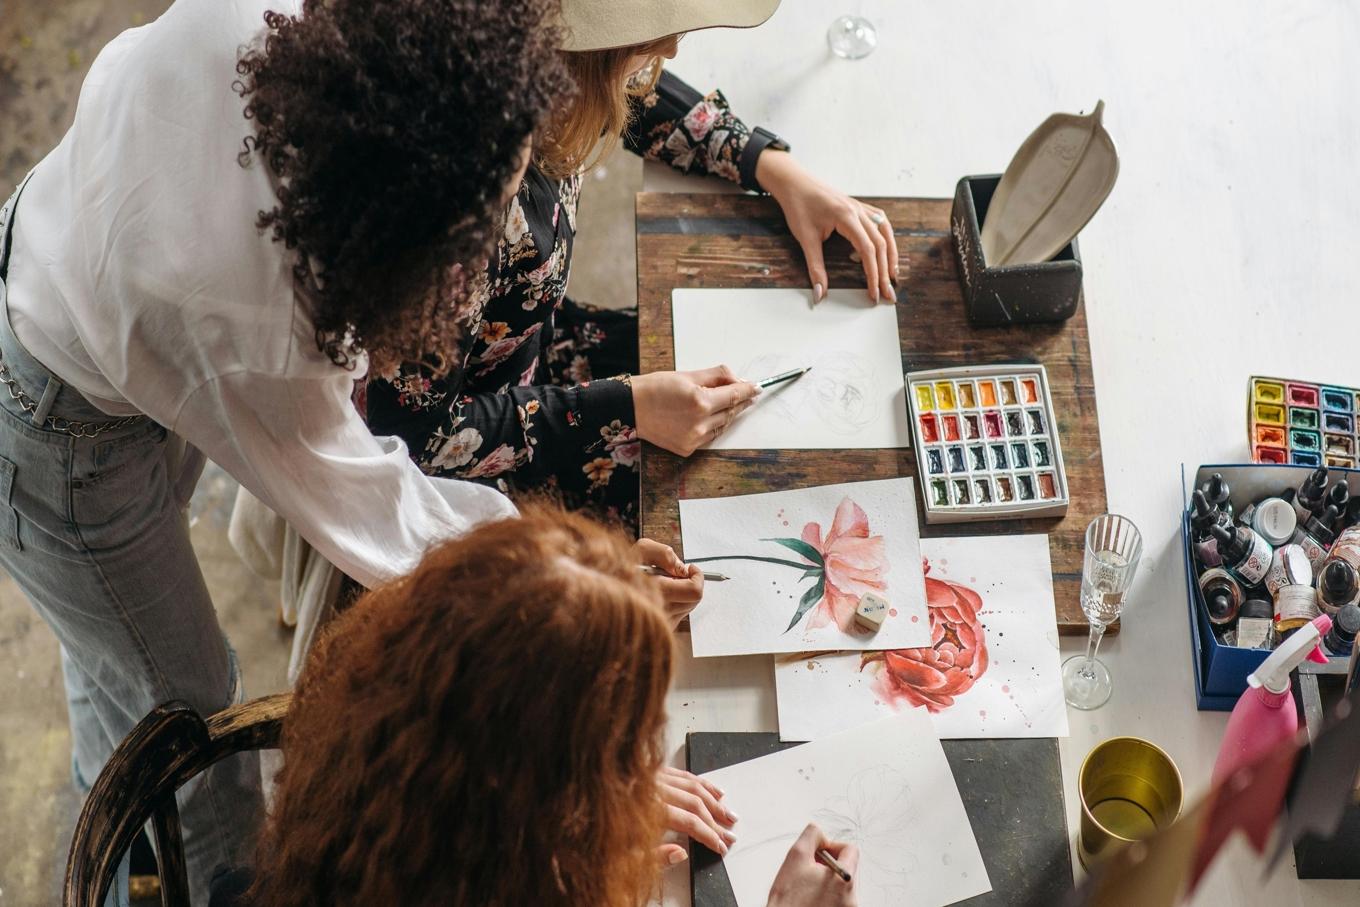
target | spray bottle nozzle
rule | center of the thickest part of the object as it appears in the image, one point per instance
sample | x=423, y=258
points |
x=1273, y=674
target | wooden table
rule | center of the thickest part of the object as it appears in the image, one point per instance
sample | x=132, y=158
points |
x=704, y=240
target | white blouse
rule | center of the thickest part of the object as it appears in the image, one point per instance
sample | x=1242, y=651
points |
x=138, y=276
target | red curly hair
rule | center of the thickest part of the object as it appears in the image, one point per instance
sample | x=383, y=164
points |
x=486, y=731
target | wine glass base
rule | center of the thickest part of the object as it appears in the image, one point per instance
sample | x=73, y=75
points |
x=1086, y=689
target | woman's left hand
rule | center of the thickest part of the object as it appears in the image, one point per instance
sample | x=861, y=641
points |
x=694, y=808
x=681, y=588
x=815, y=210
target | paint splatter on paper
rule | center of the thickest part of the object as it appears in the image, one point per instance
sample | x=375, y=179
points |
x=991, y=668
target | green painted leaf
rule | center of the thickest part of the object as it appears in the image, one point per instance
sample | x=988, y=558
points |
x=810, y=598
x=815, y=571
x=802, y=548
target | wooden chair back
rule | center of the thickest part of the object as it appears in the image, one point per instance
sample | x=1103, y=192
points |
x=165, y=749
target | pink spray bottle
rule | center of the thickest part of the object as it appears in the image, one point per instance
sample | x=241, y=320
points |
x=1266, y=713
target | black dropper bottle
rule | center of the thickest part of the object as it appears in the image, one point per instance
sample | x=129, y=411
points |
x=1339, y=496
x=1245, y=554
x=1341, y=638
x=1216, y=491
x=1338, y=585
x=1309, y=498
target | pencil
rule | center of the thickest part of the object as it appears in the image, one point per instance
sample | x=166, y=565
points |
x=783, y=376
x=826, y=859
x=657, y=571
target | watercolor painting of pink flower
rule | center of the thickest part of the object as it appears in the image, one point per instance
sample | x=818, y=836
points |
x=844, y=564
x=956, y=657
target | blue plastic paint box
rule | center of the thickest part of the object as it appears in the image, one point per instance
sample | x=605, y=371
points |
x=1221, y=671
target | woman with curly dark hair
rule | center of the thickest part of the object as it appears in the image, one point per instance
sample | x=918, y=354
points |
x=488, y=732
x=255, y=199
x=545, y=392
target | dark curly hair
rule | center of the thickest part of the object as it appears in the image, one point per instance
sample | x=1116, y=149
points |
x=485, y=732
x=393, y=128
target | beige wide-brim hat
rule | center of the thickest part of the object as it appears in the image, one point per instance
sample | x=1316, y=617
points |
x=601, y=24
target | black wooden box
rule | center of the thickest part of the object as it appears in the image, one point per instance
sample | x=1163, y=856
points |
x=1319, y=688
x=1016, y=294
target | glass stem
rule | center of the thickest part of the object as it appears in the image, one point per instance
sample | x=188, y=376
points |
x=1093, y=643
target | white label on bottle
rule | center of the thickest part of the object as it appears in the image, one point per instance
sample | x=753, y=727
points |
x=1316, y=553
x=1253, y=568
x=1298, y=604
x=1253, y=632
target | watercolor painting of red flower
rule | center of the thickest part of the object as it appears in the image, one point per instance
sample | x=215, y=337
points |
x=843, y=564
x=956, y=658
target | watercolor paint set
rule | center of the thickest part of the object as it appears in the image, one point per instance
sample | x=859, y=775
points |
x=986, y=443
x=1303, y=424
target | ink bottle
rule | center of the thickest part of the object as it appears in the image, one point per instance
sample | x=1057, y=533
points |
x=1205, y=517
x=1338, y=585
x=1308, y=500
x=1275, y=520
x=1245, y=554
x=1288, y=567
x=1254, y=624
x=1222, y=596
x=1294, y=607
x=1340, y=640
x=1216, y=491
x=1315, y=537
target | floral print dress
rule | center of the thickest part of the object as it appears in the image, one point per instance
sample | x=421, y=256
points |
x=541, y=400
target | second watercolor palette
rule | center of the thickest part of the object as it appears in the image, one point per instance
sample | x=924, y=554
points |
x=986, y=443
x=1303, y=423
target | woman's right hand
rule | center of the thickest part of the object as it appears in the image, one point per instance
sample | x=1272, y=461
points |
x=803, y=882
x=682, y=411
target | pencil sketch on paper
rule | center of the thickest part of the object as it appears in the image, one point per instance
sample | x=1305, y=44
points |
x=838, y=391
x=875, y=813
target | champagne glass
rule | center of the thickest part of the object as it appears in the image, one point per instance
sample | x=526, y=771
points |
x=1113, y=547
x=852, y=37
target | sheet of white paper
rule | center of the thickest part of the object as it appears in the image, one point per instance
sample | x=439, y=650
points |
x=993, y=670
x=886, y=787
x=854, y=395
x=812, y=549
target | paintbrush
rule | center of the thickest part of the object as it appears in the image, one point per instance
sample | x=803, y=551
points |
x=657, y=571
x=783, y=376
x=826, y=859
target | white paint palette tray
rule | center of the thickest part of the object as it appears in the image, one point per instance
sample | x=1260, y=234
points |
x=986, y=443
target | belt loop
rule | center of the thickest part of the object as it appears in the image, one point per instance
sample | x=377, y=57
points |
x=49, y=397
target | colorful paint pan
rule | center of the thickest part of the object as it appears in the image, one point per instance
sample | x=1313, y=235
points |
x=987, y=445
x=1302, y=395
x=1302, y=422
x=1337, y=400
x=944, y=395
x=1267, y=391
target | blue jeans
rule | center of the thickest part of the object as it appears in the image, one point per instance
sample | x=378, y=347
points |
x=94, y=530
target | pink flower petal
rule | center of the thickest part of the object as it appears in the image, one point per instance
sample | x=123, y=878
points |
x=850, y=520
x=812, y=534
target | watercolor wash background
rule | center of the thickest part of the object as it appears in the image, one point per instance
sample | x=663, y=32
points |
x=853, y=397
x=886, y=787
x=1018, y=691
x=864, y=532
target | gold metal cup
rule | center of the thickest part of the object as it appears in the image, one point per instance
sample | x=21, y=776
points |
x=1130, y=789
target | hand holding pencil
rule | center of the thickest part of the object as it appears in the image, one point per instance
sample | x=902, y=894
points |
x=816, y=873
x=682, y=585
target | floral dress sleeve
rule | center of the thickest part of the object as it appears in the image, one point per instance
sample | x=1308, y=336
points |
x=675, y=125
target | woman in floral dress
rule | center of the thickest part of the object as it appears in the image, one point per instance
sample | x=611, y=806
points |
x=546, y=398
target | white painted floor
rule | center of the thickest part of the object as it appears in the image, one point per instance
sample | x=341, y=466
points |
x=1227, y=249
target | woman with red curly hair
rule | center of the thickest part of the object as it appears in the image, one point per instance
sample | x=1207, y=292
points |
x=487, y=732
x=256, y=198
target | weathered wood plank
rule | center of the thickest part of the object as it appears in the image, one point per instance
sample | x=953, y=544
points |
x=740, y=241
